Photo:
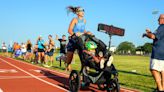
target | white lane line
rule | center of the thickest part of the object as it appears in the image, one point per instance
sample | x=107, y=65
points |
x=60, y=73
x=1, y=90
x=8, y=71
x=35, y=76
x=23, y=77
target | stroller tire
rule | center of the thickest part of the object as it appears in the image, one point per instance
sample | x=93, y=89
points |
x=114, y=86
x=74, y=81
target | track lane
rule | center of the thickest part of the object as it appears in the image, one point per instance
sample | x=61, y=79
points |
x=33, y=84
x=58, y=78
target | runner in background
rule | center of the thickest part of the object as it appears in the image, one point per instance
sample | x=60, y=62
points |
x=10, y=50
x=63, y=43
x=23, y=50
x=29, y=50
x=17, y=50
x=4, y=49
x=41, y=50
x=35, y=54
x=50, y=49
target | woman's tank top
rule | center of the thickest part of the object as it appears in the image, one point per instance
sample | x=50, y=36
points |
x=80, y=26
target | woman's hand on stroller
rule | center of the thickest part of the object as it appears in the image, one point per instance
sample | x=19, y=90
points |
x=87, y=52
x=88, y=32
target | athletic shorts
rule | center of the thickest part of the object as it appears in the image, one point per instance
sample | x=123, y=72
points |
x=29, y=51
x=156, y=64
x=63, y=51
x=40, y=50
x=74, y=43
x=51, y=53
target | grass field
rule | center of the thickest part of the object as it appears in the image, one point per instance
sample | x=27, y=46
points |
x=133, y=71
x=141, y=79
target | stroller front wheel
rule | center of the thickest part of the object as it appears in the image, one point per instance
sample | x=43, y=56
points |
x=74, y=81
x=114, y=86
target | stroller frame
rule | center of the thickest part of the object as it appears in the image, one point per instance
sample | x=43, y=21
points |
x=107, y=78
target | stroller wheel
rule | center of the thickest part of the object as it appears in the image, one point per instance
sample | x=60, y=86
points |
x=114, y=86
x=74, y=81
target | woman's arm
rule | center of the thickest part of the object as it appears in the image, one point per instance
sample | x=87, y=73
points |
x=71, y=26
x=85, y=23
x=57, y=37
x=94, y=57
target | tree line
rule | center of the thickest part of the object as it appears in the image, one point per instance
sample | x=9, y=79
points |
x=129, y=48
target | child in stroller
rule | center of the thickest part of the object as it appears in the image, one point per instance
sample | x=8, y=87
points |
x=98, y=59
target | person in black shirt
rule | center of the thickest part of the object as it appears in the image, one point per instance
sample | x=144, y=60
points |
x=29, y=50
x=63, y=43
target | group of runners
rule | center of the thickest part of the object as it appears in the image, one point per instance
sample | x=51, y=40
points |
x=41, y=52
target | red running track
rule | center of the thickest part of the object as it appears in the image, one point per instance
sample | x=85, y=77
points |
x=18, y=76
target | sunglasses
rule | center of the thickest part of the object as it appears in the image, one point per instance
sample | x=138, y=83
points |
x=160, y=18
x=81, y=10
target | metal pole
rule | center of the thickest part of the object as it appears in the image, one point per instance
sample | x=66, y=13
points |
x=110, y=39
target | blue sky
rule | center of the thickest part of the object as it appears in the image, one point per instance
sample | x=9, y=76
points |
x=21, y=20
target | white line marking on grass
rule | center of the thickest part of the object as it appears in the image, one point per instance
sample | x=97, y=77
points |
x=1, y=90
x=34, y=76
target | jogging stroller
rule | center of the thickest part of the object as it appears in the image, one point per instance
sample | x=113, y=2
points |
x=106, y=78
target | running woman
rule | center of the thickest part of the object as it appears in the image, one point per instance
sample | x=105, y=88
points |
x=76, y=28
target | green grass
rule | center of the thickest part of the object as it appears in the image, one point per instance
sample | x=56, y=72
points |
x=141, y=79
x=126, y=65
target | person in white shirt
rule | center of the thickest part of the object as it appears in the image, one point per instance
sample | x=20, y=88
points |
x=23, y=50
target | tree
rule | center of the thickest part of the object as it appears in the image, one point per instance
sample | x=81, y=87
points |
x=147, y=47
x=126, y=48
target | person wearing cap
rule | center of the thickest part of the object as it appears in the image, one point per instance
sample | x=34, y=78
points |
x=76, y=28
x=157, y=56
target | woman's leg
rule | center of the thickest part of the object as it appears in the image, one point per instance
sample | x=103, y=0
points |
x=43, y=57
x=39, y=57
x=69, y=57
